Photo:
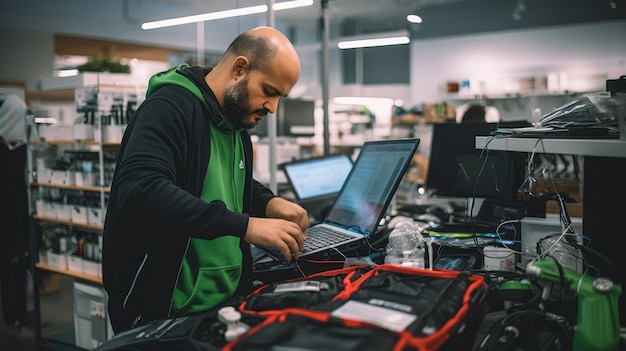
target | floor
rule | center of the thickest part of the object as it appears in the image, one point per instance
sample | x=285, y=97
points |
x=57, y=315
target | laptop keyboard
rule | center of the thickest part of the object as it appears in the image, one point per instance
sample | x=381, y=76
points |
x=318, y=237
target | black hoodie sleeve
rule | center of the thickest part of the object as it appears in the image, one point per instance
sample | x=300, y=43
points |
x=161, y=169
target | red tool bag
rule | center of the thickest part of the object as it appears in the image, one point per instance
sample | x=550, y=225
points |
x=364, y=308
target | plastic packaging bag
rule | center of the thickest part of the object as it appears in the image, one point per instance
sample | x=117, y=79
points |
x=589, y=110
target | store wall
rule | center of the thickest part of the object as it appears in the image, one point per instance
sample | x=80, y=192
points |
x=590, y=52
x=26, y=55
x=587, y=54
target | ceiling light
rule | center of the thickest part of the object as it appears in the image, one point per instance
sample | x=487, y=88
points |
x=358, y=100
x=46, y=120
x=414, y=18
x=381, y=39
x=68, y=73
x=225, y=14
x=291, y=4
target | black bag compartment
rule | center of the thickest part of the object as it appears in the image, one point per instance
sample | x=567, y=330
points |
x=302, y=331
x=361, y=308
x=439, y=309
x=266, y=300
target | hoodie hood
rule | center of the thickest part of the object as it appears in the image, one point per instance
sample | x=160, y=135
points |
x=190, y=78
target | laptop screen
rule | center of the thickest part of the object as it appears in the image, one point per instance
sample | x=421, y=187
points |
x=316, y=177
x=370, y=186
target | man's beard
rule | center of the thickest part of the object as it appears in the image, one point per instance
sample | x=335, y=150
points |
x=237, y=105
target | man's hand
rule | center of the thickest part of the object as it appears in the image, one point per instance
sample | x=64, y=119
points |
x=285, y=209
x=284, y=230
x=281, y=234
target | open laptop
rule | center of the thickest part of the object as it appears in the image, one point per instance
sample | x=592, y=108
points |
x=316, y=181
x=361, y=203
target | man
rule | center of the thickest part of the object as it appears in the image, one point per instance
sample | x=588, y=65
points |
x=14, y=252
x=183, y=208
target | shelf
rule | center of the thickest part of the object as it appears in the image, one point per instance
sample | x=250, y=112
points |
x=73, y=142
x=502, y=96
x=60, y=221
x=51, y=95
x=57, y=142
x=84, y=276
x=583, y=147
x=73, y=187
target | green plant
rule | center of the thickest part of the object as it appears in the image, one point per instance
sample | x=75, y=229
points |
x=104, y=65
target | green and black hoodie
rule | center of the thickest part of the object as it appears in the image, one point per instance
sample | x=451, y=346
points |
x=179, y=204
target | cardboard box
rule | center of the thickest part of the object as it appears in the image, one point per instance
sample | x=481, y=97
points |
x=49, y=209
x=63, y=177
x=64, y=212
x=57, y=260
x=75, y=263
x=80, y=214
x=44, y=169
x=39, y=207
x=92, y=267
x=56, y=133
x=113, y=134
x=44, y=175
x=82, y=131
x=96, y=216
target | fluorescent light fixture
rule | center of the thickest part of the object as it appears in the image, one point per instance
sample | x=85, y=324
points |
x=204, y=17
x=251, y=10
x=46, y=120
x=382, y=39
x=291, y=4
x=68, y=73
x=414, y=18
x=359, y=100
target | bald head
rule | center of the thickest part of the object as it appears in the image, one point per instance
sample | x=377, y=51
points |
x=258, y=68
x=263, y=46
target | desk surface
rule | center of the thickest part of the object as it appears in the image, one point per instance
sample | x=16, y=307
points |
x=583, y=147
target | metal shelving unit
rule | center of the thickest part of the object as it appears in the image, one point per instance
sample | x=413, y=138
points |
x=95, y=186
x=583, y=147
x=604, y=169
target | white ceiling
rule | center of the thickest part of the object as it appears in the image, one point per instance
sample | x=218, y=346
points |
x=120, y=20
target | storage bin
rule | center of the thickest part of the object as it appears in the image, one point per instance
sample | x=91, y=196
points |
x=64, y=177
x=92, y=267
x=80, y=214
x=57, y=260
x=95, y=216
x=75, y=263
x=64, y=212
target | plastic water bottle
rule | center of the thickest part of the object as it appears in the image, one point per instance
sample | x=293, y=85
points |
x=232, y=318
x=405, y=246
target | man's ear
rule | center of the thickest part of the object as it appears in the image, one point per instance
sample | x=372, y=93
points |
x=240, y=67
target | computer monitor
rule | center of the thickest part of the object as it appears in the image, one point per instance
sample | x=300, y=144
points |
x=294, y=118
x=457, y=169
x=316, y=181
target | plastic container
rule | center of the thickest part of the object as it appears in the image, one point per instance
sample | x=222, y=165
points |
x=405, y=246
x=499, y=259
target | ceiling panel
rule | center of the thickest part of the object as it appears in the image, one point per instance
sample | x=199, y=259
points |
x=119, y=21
